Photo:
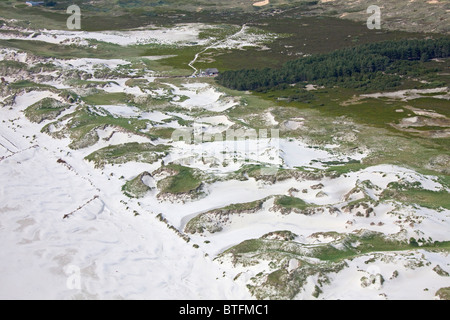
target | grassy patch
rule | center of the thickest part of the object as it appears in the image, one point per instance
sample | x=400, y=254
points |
x=9, y=66
x=50, y=50
x=277, y=278
x=443, y=293
x=129, y=152
x=86, y=121
x=346, y=247
x=292, y=203
x=103, y=98
x=370, y=242
x=136, y=188
x=25, y=84
x=280, y=283
x=46, y=109
x=180, y=56
x=161, y=133
x=213, y=221
x=365, y=124
x=284, y=235
x=347, y=168
x=244, y=207
x=185, y=180
x=413, y=194
x=434, y=104
x=247, y=246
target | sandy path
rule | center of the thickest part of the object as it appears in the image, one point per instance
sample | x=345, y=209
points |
x=212, y=46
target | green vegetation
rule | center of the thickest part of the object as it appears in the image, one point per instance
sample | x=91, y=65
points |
x=443, y=293
x=117, y=14
x=256, y=172
x=281, y=283
x=10, y=67
x=244, y=207
x=332, y=113
x=370, y=242
x=413, y=194
x=50, y=50
x=129, y=152
x=351, y=67
x=136, y=188
x=441, y=271
x=104, y=98
x=292, y=203
x=161, y=133
x=86, y=121
x=213, y=221
x=346, y=168
x=179, y=57
x=183, y=180
x=46, y=109
x=339, y=116
x=218, y=32
x=346, y=247
x=23, y=84
x=284, y=285
x=284, y=235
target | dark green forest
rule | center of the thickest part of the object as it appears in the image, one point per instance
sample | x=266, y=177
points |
x=378, y=66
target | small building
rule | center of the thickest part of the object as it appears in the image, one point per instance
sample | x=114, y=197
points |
x=211, y=72
x=34, y=3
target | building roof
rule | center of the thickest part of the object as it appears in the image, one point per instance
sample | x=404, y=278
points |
x=35, y=3
x=212, y=70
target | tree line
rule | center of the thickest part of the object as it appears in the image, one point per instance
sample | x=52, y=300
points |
x=367, y=63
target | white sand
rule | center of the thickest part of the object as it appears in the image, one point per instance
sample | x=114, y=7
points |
x=183, y=34
x=118, y=255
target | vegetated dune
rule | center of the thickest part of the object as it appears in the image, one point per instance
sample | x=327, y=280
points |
x=101, y=175
x=405, y=15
